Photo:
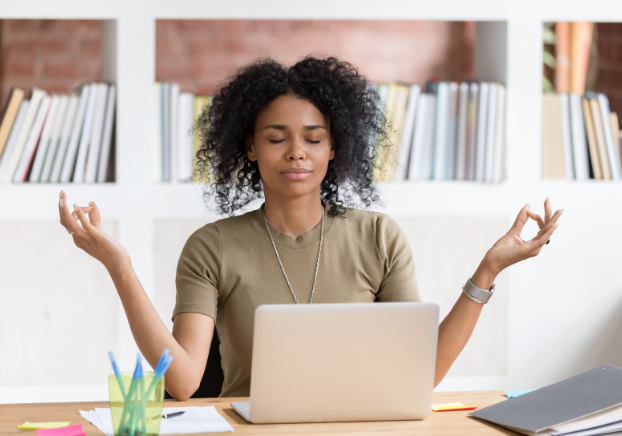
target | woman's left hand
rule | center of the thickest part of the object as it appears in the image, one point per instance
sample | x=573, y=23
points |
x=511, y=248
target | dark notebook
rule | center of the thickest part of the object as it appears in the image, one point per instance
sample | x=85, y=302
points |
x=593, y=391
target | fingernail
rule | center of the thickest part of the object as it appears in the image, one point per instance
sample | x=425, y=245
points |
x=91, y=203
x=75, y=207
x=61, y=194
x=528, y=206
x=61, y=203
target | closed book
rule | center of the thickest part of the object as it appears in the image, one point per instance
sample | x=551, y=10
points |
x=441, y=90
x=30, y=147
x=614, y=158
x=186, y=147
x=599, y=129
x=11, y=140
x=106, y=143
x=591, y=138
x=615, y=128
x=552, y=141
x=399, y=113
x=166, y=126
x=471, y=140
x=157, y=134
x=403, y=160
x=490, y=132
x=26, y=125
x=482, y=130
x=579, y=143
x=85, y=135
x=421, y=156
x=452, y=129
x=461, y=134
x=44, y=142
x=50, y=155
x=173, y=132
x=94, y=148
x=9, y=112
x=84, y=106
x=63, y=140
x=566, y=138
x=498, y=173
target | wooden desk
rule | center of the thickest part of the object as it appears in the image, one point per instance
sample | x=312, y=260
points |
x=439, y=423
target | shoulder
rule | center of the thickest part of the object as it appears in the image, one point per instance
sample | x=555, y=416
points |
x=214, y=232
x=375, y=223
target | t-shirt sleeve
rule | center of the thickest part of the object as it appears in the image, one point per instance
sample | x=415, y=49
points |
x=399, y=282
x=198, y=272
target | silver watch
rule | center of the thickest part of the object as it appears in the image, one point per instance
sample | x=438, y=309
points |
x=477, y=294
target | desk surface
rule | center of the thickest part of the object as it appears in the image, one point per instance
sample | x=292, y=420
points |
x=438, y=423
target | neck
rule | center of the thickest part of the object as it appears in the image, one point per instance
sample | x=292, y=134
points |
x=293, y=216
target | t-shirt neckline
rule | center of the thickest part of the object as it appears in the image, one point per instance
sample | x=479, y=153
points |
x=304, y=240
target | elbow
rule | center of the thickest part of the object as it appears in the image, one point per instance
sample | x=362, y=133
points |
x=183, y=392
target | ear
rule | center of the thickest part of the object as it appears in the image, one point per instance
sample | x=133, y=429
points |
x=250, y=148
x=331, y=156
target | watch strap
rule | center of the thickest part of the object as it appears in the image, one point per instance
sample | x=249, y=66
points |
x=477, y=294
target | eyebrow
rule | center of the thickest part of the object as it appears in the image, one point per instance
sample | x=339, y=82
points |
x=285, y=127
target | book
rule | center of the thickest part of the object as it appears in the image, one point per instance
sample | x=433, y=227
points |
x=614, y=158
x=9, y=112
x=63, y=103
x=482, y=128
x=399, y=111
x=32, y=141
x=85, y=135
x=12, y=139
x=18, y=148
x=403, y=159
x=173, y=129
x=498, y=173
x=157, y=139
x=441, y=90
x=472, y=120
x=566, y=138
x=63, y=139
x=106, y=143
x=421, y=156
x=601, y=141
x=186, y=146
x=95, y=141
x=462, y=132
x=201, y=104
x=452, y=128
x=579, y=145
x=44, y=142
x=580, y=43
x=562, y=47
x=615, y=128
x=591, y=138
x=68, y=164
x=490, y=132
x=166, y=126
x=552, y=141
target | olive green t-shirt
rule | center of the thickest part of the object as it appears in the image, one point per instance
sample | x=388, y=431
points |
x=228, y=268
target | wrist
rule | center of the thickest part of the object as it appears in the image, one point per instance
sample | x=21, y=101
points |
x=485, y=275
x=119, y=271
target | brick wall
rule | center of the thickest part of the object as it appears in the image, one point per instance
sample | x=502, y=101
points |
x=55, y=55
x=609, y=78
x=199, y=54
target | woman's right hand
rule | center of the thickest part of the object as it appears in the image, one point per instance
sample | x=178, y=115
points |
x=88, y=236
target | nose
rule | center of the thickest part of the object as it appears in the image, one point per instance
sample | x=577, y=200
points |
x=296, y=151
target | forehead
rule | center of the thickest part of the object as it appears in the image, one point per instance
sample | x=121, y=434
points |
x=291, y=111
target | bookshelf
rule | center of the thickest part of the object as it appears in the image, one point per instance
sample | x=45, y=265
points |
x=507, y=48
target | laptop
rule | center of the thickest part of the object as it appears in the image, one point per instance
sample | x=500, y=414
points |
x=342, y=362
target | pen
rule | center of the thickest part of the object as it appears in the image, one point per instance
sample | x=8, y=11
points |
x=173, y=415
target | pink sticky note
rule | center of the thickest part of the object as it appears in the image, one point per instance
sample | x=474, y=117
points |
x=71, y=430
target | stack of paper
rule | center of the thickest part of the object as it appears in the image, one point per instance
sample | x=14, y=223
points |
x=195, y=420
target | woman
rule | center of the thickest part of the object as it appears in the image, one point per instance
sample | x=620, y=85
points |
x=308, y=140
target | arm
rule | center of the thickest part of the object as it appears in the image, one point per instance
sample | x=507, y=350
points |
x=458, y=325
x=192, y=332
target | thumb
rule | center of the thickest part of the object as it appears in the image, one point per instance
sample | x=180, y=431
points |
x=94, y=216
x=520, y=222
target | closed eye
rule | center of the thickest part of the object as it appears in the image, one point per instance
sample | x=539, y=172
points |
x=314, y=142
x=276, y=141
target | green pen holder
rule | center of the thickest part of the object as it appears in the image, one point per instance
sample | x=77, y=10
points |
x=141, y=413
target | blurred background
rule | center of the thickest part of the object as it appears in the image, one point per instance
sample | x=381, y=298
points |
x=551, y=317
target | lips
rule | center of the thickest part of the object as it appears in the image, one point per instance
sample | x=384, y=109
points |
x=296, y=173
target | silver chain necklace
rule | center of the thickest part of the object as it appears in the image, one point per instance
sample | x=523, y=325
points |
x=317, y=265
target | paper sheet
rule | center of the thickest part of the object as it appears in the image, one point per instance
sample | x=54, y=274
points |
x=195, y=420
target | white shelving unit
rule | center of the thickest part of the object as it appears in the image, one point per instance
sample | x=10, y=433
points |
x=546, y=298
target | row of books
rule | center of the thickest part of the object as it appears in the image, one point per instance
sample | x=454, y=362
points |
x=450, y=131
x=176, y=143
x=51, y=138
x=580, y=137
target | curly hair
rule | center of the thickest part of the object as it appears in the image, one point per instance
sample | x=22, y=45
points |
x=346, y=98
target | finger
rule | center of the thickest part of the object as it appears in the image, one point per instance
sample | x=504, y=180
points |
x=521, y=219
x=69, y=223
x=539, y=241
x=537, y=218
x=540, y=237
x=85, y=222
x=547, y=210
x=84, y=209
x=94, y=216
